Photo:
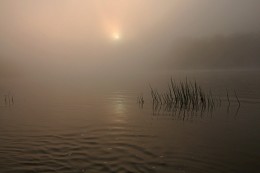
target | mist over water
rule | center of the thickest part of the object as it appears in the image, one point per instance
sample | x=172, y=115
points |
x=77, y=37
x=129, y=86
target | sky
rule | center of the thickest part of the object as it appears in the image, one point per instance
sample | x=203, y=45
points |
x=94, y=34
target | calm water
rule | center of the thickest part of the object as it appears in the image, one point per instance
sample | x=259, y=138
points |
x=81, y=124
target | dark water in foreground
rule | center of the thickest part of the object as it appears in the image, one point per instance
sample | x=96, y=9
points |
x=93, y=126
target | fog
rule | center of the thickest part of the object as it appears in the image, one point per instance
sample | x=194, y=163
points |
x=94, y=36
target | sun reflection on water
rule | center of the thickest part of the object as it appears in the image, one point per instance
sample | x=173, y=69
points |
x=119, y=105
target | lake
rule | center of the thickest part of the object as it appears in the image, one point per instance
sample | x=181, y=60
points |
x=78, y=123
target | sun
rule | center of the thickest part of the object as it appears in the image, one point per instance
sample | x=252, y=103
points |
x=116, y=36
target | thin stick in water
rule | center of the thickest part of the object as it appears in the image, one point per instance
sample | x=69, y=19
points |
x=237, y=97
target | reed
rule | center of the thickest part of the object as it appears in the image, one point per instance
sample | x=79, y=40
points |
x=228, y=97
x=237, y=98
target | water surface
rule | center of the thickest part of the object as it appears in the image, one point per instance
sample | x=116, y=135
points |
x=72, y=124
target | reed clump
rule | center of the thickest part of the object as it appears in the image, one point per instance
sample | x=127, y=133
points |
x=8, y=99
x=186, y=99
x=184, y=95
x=140, y=100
